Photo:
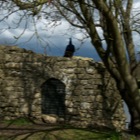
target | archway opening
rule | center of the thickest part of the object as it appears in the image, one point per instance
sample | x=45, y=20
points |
x=53, y=97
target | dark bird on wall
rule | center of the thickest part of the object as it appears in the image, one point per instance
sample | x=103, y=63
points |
x=70, y=49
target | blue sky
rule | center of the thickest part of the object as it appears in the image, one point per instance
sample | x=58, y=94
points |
x=56, y=38
x=55, y=43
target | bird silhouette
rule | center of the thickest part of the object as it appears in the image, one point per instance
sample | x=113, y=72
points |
x=70, y=49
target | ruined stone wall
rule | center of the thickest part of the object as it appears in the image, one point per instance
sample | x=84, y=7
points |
x=91, y=98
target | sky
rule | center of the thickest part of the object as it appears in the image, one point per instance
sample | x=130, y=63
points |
x=56, y=39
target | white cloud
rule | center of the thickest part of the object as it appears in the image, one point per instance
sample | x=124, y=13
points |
x=136, y=4
x=57, y=37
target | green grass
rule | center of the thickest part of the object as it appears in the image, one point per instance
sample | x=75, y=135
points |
x=18, y=121
x=67, y=134
x=61, y=133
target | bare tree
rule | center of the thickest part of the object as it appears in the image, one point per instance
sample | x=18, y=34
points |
x=25, y=15
x=114, y=19
x=110, y=25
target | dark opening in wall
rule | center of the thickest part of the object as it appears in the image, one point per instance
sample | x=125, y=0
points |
x=53, y=97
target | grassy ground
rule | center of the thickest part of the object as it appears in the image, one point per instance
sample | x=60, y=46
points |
x=23, y=129
x=66, y=134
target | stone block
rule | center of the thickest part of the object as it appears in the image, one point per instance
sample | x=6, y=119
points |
x=49, y=119
x=83, y=64
x=91, y=70
x=24, y=108
x=13, y=65
x=99, y=98
x=69, y=103
x=79, y=70
x=37, y=95
x=85, y=105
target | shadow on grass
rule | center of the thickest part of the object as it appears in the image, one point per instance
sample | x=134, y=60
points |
x=24, y=129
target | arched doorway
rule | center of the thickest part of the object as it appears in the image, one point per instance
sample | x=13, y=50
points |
x=53, y=97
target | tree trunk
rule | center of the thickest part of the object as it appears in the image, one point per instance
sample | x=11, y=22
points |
x=135, y=123
x=135, y=117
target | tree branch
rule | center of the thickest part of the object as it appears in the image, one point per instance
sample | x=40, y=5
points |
x=29, y=5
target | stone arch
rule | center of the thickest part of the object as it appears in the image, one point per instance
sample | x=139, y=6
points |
x=53, y=97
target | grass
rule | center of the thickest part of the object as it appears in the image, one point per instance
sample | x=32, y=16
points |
x=61, y=133
x=18, y=121
x=65, y=134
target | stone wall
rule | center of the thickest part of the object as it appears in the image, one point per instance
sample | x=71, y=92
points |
x=75, y=90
